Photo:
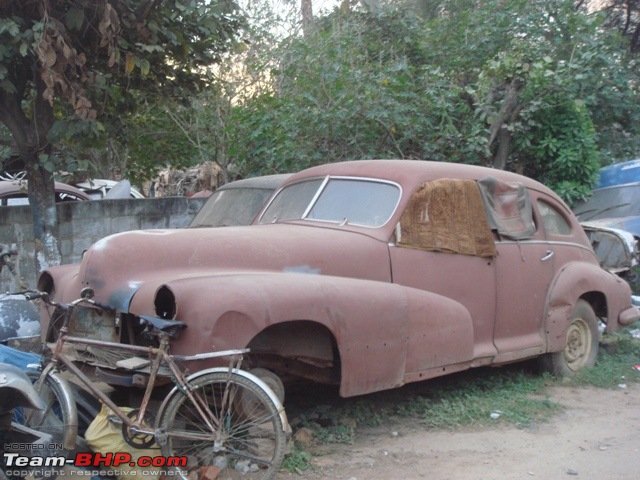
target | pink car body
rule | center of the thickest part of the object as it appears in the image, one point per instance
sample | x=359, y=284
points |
x=368, y=274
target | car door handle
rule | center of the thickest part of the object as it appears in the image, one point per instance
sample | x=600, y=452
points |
x=547, y=256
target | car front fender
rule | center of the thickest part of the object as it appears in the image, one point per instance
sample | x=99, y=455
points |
x=369, y=320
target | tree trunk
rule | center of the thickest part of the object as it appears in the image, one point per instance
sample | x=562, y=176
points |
x=30, y=137
x=45, y=216
x=306, y=9
x=504, y=148
x=509, y=110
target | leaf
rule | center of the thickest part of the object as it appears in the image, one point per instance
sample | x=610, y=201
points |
x=8, y=86
x=74, y=19
x=24, y=49
x=145, y=67
x=130, y=63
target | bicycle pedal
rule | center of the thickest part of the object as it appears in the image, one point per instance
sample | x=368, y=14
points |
x=113, y=419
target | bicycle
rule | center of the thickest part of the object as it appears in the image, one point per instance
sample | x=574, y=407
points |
x=223, y=418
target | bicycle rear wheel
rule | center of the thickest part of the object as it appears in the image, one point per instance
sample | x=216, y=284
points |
x=248, y=441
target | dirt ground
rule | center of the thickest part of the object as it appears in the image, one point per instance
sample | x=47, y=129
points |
x=596, y=437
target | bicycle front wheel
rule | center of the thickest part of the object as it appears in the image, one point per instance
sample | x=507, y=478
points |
x=242, y=435
x=60, y=417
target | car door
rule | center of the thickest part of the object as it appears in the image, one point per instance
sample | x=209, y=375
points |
x=443, y=245
x=525, y=270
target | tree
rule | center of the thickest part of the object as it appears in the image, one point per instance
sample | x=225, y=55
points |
x=64, y=63
x=486, y=83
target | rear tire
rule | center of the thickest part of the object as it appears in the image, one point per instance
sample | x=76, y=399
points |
x=581, y=344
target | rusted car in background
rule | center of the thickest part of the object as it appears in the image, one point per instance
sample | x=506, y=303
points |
x=14, y=192
x=366, y=274
x=237, y=203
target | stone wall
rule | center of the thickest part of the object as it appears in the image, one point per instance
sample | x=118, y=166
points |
x=83, y=223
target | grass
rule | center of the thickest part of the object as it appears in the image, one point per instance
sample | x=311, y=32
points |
x=514, y=395
x=505, y=396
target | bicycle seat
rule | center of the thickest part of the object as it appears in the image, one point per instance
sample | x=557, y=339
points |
x=170, y=327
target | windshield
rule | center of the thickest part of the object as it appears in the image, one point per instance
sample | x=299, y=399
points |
x=231, y=207
x=362, y=202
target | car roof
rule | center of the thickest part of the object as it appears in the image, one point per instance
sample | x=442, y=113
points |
x=415, y=172
x=8, y=187
x=267, y=181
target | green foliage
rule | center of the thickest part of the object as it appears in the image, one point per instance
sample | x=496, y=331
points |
x=104, y=60
x=357, y=89
x=296, y=461
x=447, y=87
x=154, y=142
x=559, y=148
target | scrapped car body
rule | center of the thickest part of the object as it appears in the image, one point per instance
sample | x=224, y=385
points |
x=367, y=274
x=615, y=200
x=98, y=188
x=617, y=250
x=14, y=192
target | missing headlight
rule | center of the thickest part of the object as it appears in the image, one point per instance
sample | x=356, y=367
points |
x=45, y=283
x=165, y=303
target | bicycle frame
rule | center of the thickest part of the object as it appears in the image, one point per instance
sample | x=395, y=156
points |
x=158, y=355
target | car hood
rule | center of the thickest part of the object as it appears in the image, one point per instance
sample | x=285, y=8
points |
x=117, y=266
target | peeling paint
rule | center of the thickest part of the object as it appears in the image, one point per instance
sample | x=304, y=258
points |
x=48, y=255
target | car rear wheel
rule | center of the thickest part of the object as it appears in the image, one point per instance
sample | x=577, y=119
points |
x=581, y=344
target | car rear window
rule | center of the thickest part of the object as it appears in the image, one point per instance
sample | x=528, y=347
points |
x=553, y=221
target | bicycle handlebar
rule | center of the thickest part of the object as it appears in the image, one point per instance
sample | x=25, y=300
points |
x=44, y=296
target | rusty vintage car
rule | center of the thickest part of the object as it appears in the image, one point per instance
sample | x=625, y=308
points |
x=366, y=274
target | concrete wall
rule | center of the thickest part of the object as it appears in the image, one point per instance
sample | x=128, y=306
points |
x=83, y=223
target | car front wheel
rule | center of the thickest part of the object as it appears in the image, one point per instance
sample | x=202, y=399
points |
x=581, y=345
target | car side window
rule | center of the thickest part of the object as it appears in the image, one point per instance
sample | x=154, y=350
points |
x=447, y=215
x=553, y=221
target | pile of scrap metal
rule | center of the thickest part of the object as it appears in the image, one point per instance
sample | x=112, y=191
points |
x=611, y=219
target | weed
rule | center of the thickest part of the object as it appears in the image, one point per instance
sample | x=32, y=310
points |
x=335, y=434
x=296, y=461
x=471, y=400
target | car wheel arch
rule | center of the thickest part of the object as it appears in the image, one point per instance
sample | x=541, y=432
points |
x=303, y=348
x=572, y=284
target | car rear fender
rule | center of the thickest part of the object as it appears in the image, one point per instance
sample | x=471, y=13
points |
x=607, y=294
